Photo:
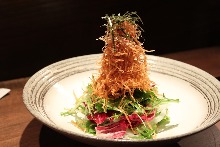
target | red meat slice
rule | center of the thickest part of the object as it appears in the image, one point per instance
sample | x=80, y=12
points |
x=118, y=129
x=115, y=130
x=98, y=118
x=137, y=120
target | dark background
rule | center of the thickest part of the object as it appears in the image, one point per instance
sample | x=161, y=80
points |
x=36, y=33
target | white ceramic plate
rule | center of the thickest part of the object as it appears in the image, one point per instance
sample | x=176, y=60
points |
x=48, y=92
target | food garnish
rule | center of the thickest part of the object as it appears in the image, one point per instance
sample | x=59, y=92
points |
x=122, y=98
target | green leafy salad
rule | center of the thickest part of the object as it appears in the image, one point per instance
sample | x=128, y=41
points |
x=121, y=101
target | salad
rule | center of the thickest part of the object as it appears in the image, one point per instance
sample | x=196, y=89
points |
x=121, y=101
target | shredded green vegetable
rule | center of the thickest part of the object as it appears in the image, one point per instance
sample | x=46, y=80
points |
x=146, y=102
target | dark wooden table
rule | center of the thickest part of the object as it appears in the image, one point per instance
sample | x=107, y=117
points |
x=19, y=128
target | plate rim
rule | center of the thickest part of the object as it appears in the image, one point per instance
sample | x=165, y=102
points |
x=32, y=78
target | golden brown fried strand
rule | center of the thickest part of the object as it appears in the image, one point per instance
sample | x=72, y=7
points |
x=123, y=64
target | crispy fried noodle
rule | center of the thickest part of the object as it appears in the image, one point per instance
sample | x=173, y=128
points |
x=123, y=64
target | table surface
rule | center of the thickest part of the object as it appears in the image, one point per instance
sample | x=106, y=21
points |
x=19, y=128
